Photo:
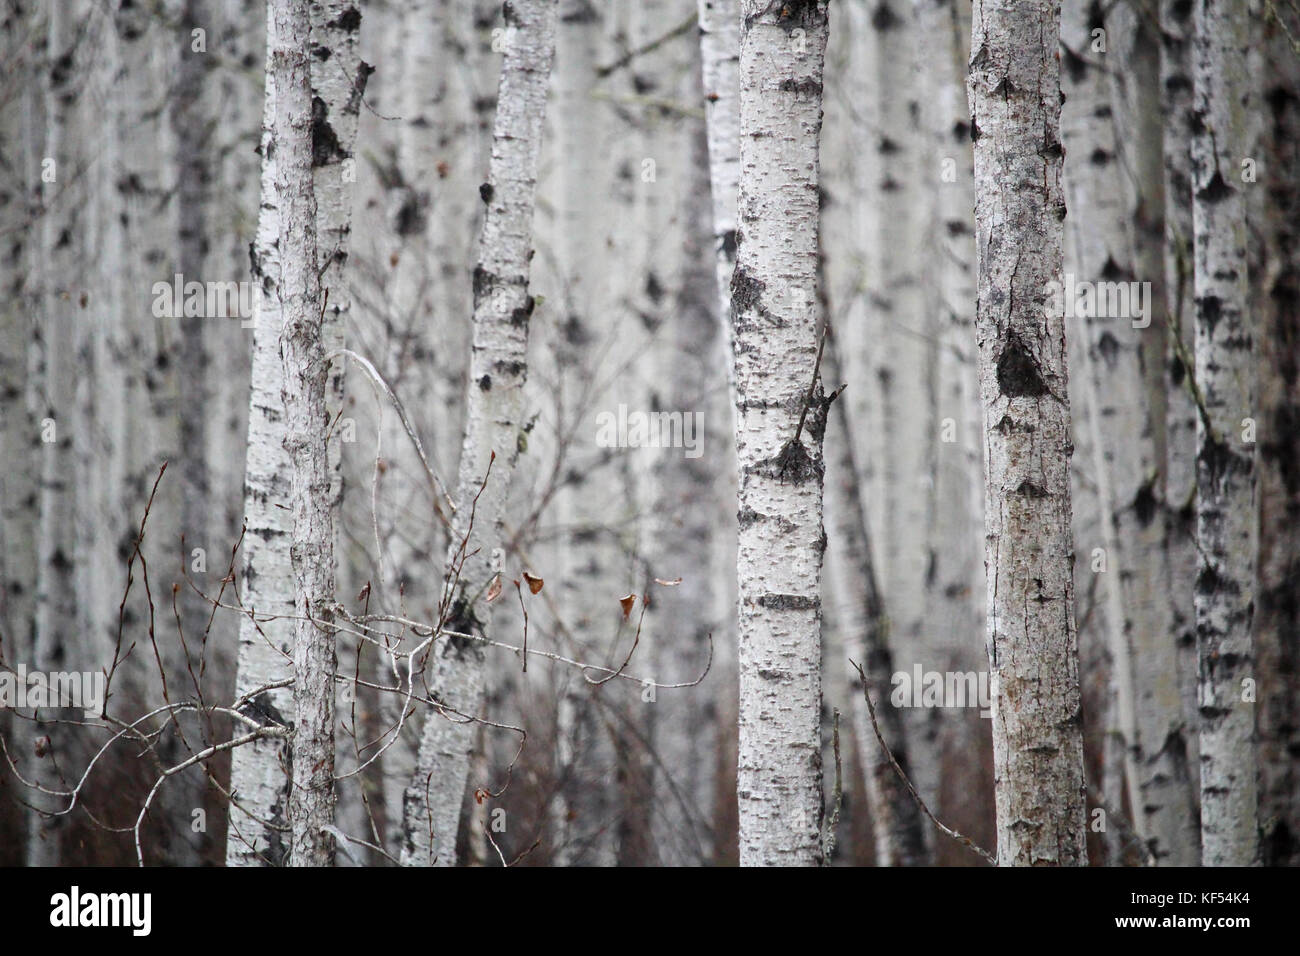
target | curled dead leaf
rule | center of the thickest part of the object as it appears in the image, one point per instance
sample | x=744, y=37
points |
x=494, y=589
x=668, y=584
x=534, y=583
x=626, y=604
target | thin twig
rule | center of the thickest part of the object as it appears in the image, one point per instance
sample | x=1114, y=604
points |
x=960, y=838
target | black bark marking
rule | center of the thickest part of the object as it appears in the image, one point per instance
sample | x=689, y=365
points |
x=654, y=288
x=1210, y=310
x=1216, y=190
x=325, y=146
x=1112, y=271
x=794, y=464
x=349, y=20
x=805, y=89
x=788, y=602
x=1108, y=348
x=729, y=245
x=462, y=619
x=1217, y=460
x=1018, y=373
x=1028, y=489
x=1145, y=504
x=521, y=315
x=1076, y=67
x=485, y=192
x=746, y=296
x=1283, y=447
x=884, y=18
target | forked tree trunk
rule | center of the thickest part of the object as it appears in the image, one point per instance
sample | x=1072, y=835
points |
x=780, y=420
x=493, y=435
x=1227, y=508
x=1014, y=92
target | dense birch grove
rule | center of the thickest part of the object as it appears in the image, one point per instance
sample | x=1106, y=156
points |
x=657, y=433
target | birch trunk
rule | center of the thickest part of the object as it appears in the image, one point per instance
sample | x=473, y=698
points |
x=493, y=434
x=1014, y=90
x=51, y=401
x=1277, y=648
x=588, y=563
x=1144, y=667
x=904, y=357
x=1227, y=514
x=19, y=432
x=1164, y=669
x=719, y=25
x=311, y=549
x=683, y=535
x=780, y=421
x=259, y=771
x=1178, y=124
x=954, y=515
x=896, y=823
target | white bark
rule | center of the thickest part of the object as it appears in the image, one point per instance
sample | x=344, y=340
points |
x=258, y=771
x=1227, y=506
x=683, y=535
x=493, y=434
x=305, y=371
x=719, y=25
x=1033, y=656
x=780, y=421
x=50, y=382
x=903, y=355
x=1143, y=654
x=896, y=823
x=954, y=514
x=1277, y=653
x=1178, y=123
x=588, y=566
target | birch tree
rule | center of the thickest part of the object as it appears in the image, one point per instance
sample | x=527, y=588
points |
x=1277, y=204
x=719, y=26
x=311, y=549
x=259, y=772
x=1014, y=90
x=1144, y=666
x=1178, y=121
x=896, y=822
x=1227, y=507
x=954, y=516
x=780, y=421
x=493, y=435
x=51, y=404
